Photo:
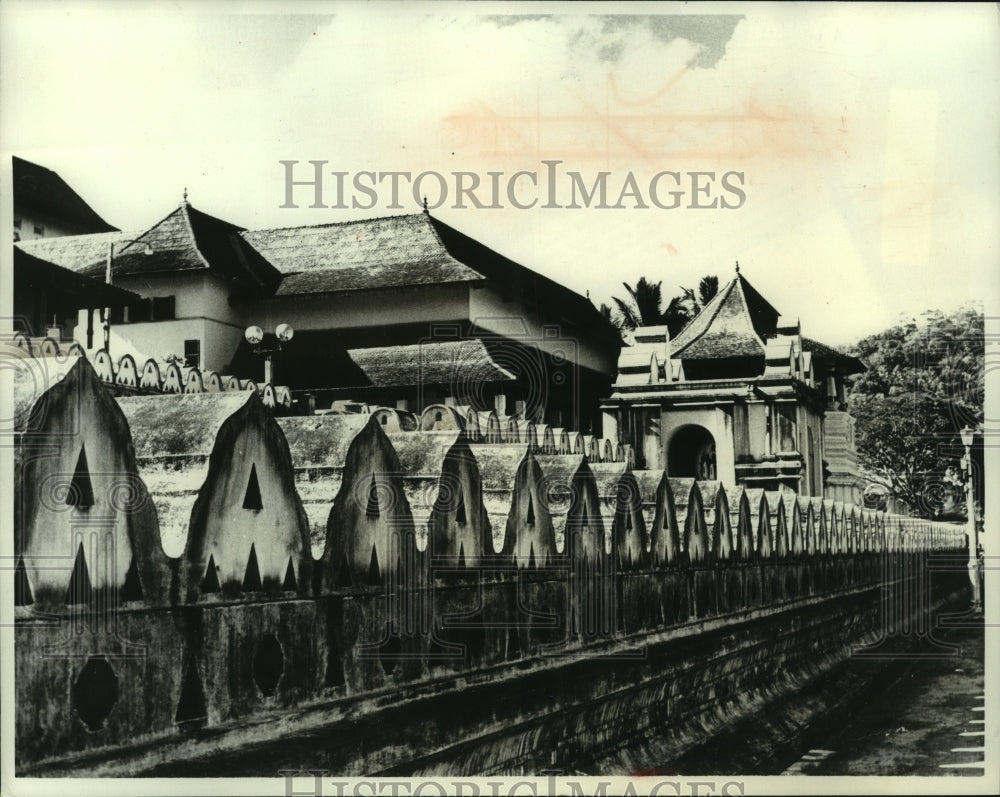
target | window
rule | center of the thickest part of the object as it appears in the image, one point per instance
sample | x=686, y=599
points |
x=139, y=312
x=163, y=308
x=192, y=353
x=39, y=230
x=159, y=308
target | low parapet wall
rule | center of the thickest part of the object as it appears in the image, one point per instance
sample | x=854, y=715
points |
x=556, y=698
x=128, y=659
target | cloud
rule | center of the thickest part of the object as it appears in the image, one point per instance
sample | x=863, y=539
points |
x=132, y=103
x=711, y=31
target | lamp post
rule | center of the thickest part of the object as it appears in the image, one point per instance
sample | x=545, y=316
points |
x=106, y=312
x=968, y=434
x=255, y=337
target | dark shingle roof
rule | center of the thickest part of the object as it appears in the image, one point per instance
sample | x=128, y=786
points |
x=33, y=272
x=845, y=364
x=389, y=252
x=406, y=250
x=44, y=191
x=733, y=324
x=372, y=253
x=76, y=252
x=186, y=240
x=461, y=362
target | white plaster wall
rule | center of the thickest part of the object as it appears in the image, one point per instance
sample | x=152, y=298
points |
x=365, y=308
x=489, y=311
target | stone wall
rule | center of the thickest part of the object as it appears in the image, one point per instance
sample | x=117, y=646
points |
x=588, y=609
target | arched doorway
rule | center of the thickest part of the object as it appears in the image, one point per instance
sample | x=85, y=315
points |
x=692, y=453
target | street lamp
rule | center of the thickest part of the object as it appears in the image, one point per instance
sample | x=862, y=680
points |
x=968, y=434
x=147, y=250
x=255, y=337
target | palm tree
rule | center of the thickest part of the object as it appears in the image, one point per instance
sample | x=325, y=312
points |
x=707, y=288
x=680, y=311
x=644, y=307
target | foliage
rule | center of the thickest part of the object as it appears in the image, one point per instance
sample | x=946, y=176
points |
x=707, y=288
x=644, y=305
x=924, y=383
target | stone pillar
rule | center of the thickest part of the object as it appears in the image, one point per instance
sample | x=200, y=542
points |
x=609, y=425
x=652, y=445
x=841, y=457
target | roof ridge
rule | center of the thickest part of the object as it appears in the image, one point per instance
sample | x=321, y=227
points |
x=332, y=223
x=24, y=177
x=712, y=307
x=745, y=285
x=746, y=306
x=447, y=342
x=184, y=208
x=141, y=234
x=430, y=222
x=518, y=265
x=209, y=216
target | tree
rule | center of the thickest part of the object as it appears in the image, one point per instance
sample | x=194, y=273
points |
x=707, y=288
x=924, y=383
x=644, y=307
x=680, y=311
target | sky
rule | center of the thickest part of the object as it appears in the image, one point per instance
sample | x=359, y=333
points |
x=867, y=135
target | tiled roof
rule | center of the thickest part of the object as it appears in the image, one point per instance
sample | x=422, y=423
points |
x=533, y=289
x=186, y=240
x=389, y=252
x=31, y=271
x=372, y=253
x=406, y=250
x=733, y=324
x=76, y=252
x=845, y=363
x=460, y=362
x=44, y=191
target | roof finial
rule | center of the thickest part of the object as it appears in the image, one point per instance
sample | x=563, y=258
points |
x=737, y=266
x=185, y=195
x=425, y=203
